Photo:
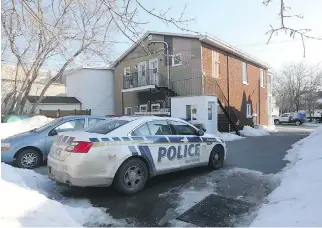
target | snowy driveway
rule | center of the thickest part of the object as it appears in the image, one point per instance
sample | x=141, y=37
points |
x=248, y=176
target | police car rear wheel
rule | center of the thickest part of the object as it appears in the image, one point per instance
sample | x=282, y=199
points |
x=131, y=176
x=216, y=159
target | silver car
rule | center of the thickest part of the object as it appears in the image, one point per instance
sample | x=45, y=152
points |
x=30, y=149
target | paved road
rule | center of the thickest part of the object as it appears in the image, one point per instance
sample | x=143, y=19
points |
x=247, y=175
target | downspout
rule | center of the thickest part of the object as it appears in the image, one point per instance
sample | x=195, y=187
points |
x=228, y=95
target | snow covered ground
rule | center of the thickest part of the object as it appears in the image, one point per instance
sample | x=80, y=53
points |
x=249, y=131
x=297, y=201
x=13, y=128
x=229, y=136
x=27, y=199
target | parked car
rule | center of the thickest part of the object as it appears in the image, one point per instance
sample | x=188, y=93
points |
x=126, y=151
x=30, y=149
x=295, y=118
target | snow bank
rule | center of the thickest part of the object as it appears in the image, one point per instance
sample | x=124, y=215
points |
x=13, y=128
x=270, y=128
x=249, y=131
x=297, y=201
x=26, y=202
x=229, y=136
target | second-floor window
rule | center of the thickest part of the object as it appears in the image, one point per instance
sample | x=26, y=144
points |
x=215, y=64
x=177, y=60
x=127, y=71
x=245, y=73
x=262, y=78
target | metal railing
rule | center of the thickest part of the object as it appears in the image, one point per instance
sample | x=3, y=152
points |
x=227, y=109
x=148, y=77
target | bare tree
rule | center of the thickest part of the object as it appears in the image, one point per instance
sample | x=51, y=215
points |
x=303, y=33
x=38, y=30
x=295, y=84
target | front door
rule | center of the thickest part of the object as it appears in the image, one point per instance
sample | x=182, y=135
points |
x=142, y=76
x=154, y=69
x=193, y=151
x=211, y=126
x=160, y=147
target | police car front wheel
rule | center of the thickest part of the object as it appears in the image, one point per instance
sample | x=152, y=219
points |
x=216, y=159
x=131, y=176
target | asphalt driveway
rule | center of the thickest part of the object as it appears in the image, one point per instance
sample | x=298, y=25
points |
x=248, y=175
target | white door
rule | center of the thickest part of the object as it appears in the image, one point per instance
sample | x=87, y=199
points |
x=142, y=75
x=192, y=151
x=163, y=155
x=154, y=69
x=211, y=126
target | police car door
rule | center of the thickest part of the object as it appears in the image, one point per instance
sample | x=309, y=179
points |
x=194, y=152
x=157, y=148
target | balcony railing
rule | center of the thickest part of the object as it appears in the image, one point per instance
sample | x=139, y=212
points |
x=149, y=77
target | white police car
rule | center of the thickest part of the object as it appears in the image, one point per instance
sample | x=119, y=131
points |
x=126, y=151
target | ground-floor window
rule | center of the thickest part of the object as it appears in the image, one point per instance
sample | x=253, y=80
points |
x=143, y=108
x=249, y=110
x=155, y=107
x=128, y=110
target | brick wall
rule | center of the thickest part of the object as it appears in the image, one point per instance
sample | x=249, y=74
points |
x=239, y=94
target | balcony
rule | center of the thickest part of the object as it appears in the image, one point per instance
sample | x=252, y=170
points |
x=145, y=79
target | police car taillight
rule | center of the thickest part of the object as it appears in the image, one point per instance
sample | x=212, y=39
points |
x=79, y=147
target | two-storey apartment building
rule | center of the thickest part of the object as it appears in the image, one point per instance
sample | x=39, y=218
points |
x=162, y=65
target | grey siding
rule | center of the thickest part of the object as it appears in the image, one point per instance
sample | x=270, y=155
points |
x=185, y=79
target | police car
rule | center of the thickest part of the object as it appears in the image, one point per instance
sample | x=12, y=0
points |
x=126, y=151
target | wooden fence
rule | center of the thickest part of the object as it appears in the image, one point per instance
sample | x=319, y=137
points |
x=60, y=113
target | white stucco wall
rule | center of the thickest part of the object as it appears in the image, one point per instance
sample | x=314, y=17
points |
x=178, y=109
x=94, y=88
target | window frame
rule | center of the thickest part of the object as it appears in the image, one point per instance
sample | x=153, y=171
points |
x=173, y=58
x=248, y=110
x=143, y=105
x=173, y=127
x=159, y=107
x=146, y=122
x=215, y=65
x=244, y=73
x=261, y=78
x=95, y=118
x=124, y=71
x=143, y=63
x=54, y=127
x=125, y=110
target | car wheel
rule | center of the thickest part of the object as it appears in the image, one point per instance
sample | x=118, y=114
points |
x=131, y=176
x=216, y=159
x=276, y=122
x=28, y=159
x=297, y=122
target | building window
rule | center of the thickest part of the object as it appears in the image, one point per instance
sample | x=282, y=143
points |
x=143, y=108
x=155, y=107
x=142, y=69
x=215, y=64
x=128, y=110
x=191, y=112
x=248, y=110
x=177, y=60
x=262, y=78
x=210, y=104
x=245, y=73
x=127, y=71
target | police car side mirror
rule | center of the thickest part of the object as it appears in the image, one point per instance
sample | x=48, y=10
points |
x=53, y=132
x=200, y=132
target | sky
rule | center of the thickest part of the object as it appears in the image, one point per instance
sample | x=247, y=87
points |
x=243, y=24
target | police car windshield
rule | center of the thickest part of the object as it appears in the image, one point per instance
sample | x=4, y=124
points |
x=106, y=126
